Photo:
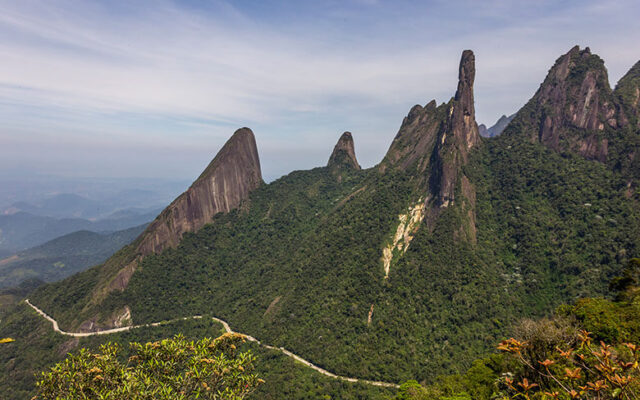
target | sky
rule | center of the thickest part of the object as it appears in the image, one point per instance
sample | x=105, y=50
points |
x=153, y=89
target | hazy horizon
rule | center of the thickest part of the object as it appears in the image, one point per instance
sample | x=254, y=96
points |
x=154, y=89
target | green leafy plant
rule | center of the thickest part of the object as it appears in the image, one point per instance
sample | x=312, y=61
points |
x=172, y=369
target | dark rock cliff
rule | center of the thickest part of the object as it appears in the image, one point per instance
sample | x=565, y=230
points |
x=224, y=184
x=574, y=108
x=344, y=154
x=458, y=136
x=434, y=143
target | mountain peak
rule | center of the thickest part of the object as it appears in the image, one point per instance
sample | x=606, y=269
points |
x=574, y=95
x=497, y=128
x=433, y=144
x=344, y=154
x=463, y=115
x=466, y=77
x=450, y=127
x=224, y=184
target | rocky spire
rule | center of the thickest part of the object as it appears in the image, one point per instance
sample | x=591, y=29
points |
x=344, y=154
x=464, y=114
x=458, y=136
x=434, y=143
x=224, y=184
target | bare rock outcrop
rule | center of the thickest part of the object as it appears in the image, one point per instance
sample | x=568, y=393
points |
x=574, y=108
x=224, y=184
x=458, y=136
x=413, y=144
x=344, y=154
x=434, y=143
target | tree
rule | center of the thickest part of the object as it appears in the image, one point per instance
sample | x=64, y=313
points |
x=171, y=369
x=626, y=284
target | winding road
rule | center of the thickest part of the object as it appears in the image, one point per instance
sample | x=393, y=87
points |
x=227, y=328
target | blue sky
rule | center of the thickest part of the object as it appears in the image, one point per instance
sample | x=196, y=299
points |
x=154, y=88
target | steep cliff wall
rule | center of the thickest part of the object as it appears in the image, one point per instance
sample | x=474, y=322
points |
x=344, y=154
x=574, y=108
x=224, y=184
x=434, y=143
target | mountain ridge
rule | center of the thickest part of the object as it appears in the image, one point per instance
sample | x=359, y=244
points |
x=416, y=265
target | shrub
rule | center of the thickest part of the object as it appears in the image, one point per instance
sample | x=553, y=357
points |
x=169, y=369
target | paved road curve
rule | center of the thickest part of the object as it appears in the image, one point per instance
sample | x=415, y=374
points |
x=226, y=328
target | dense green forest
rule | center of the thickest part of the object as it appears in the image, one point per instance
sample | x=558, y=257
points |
x=614, y=321
x=609, y=324
x=37, y=347
x=298, y=269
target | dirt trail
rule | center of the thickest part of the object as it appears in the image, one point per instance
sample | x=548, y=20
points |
x=227, y=328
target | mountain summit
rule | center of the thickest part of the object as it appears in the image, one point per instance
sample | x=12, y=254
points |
x=459, y=135
x=434, y=143
x=344, y=154
x=224, y=184
x=497, y=128
x=575, y=95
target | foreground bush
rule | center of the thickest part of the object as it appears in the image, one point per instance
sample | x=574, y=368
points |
x=584, y=370
x=171, y=369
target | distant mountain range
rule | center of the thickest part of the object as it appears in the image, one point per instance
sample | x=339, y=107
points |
x=69, y=205
x=63, y=256
x=497, y=128
x=22, y=230
x=110, y=194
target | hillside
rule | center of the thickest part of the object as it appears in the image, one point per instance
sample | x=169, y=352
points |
x=64, y=256
x=410, y=269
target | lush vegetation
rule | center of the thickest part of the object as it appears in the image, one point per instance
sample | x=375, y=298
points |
x=11, y=296
x=301, y=266
x=36, y=348
x=168, y=369
x=586, y=350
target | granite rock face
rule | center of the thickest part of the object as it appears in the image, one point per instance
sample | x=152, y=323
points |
x=344, y=154
x=434, y=143
x=224, y=184
x=459, y=135
x=574, y=97
x=414, y=142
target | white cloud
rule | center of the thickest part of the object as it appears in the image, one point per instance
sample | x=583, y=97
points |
x=141, y=74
